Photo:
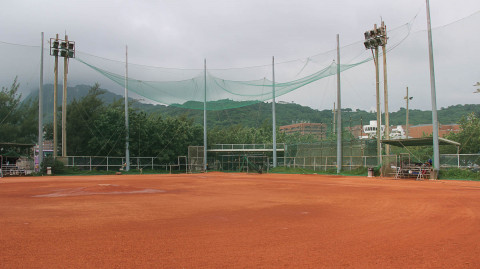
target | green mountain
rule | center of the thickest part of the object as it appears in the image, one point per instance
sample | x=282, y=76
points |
x=256, y=115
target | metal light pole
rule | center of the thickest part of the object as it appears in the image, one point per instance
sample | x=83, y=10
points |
x=274, y=127
x=339, y=113
x=436, y=151
x=205, y=117
x=127, y=130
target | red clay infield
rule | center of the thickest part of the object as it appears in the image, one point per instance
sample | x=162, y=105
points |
x=218, y=220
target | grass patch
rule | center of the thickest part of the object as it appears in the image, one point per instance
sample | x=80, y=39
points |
x=459, y=174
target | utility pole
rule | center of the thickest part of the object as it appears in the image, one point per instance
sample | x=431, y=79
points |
x=407, y=98
x=377, y=87
x=64, y=103
x=55, y=97
x=385, y=87
x=40, y=110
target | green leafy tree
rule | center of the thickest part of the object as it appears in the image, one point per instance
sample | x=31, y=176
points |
x=9, y=114
x=81, y=116
x=469, y=135
x=18, y=121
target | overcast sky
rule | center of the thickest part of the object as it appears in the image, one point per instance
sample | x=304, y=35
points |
x=181, y=33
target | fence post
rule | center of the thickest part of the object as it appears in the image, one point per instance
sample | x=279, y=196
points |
x=107, y=163
x=152, y=163
x=90, y=163
x=458, y=160
x=314, y=163
x=326, y=163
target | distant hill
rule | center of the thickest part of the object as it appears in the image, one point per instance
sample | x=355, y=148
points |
x=261, y=113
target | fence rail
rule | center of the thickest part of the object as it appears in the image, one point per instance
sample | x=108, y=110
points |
x=118, y=163
x=470, y=161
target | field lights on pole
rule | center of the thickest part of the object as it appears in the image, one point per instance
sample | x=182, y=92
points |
x=62, y=48
x=65, y=49
x=375, y=38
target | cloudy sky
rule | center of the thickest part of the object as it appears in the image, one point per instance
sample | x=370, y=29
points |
x=238, y=33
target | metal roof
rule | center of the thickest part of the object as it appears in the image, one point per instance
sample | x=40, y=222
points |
x=424, y=141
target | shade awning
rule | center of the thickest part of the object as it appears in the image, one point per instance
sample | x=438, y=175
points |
x=424, y=141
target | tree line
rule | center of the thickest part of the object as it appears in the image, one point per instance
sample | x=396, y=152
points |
x=97, y=128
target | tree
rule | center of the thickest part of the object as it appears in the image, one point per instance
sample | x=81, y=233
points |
x=468, y=136
x=81, y=116
x=18, y=121
x=9, y=114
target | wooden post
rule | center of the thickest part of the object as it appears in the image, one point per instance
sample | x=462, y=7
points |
x=385, y=89
x=55, y=105
x=64, y=103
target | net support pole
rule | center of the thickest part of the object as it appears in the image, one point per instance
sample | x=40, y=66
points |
x=436, y=153
x=40, y=109
x=127, y=133
x=205, y=116
x=64, y=104
x=339, y=111
x=274, y=127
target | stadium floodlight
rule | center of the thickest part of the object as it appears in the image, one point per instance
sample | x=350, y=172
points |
x=62, y=48
x=375, y=38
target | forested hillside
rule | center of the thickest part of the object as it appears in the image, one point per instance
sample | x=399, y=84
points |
x=257, y=114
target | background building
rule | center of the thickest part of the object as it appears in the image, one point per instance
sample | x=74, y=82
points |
x=319, y=130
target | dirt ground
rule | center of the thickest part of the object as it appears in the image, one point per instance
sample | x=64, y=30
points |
x=219, y=220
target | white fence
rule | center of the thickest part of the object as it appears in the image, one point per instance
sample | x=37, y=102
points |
x=117, y=163
x=460, y=161
x=323, y=163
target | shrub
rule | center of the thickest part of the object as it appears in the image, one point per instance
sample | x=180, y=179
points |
x=56, y=165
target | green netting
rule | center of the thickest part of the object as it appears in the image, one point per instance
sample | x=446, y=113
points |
x=235, y=87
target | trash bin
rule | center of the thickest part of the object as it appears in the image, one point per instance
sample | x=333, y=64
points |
x=370, y=172
x=49, y=170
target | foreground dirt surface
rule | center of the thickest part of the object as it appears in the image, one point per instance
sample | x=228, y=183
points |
x=218, y=220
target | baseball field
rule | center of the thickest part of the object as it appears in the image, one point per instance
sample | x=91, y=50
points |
x=232, y=220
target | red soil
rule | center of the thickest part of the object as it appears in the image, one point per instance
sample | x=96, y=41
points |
x=237, y=221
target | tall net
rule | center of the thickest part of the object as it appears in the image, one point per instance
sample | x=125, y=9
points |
x=188, y=88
